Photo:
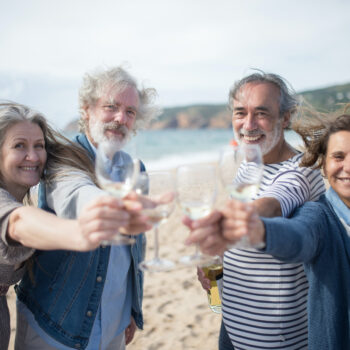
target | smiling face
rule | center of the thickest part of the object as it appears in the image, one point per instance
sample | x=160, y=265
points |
x=256, y=118
x=113, y=116
x=337, y=164
x=22, y=158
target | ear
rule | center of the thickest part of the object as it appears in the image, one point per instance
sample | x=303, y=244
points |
x=85, y=113
x=286, y=119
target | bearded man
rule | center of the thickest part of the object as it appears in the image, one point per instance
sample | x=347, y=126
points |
x=263, y=299
x=89, y=300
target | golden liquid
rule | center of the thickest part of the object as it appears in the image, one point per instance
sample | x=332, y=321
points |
x=155, y=216
x=195, y=210
x=213, y=294
x=118, y=190
x=244, y=192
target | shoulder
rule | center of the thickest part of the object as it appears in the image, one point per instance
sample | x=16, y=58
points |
x=315, y=210
x=7, y=202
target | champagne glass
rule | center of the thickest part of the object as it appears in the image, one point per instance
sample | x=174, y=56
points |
x=241, y=169
x=160, y=189
x=196, y=193
x=116, y=172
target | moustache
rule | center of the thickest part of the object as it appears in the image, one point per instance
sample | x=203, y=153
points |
x=116, y=127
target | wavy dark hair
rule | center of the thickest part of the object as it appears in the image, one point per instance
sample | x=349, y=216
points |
x=315, y=130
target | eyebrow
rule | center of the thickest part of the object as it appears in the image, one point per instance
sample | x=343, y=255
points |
x=115, y=103
x=16, y=139
x=259, y=108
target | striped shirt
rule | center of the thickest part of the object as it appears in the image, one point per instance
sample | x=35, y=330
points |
x=264, y=299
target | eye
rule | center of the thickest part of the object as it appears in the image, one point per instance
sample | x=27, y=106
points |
x=109, y=107
x=238, y=114
x=131, y=112
x=338, y=156
x=261, y=114
x=40, y=146
x=19, y=145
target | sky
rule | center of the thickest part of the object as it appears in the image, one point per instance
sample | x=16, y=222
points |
x=191, y=51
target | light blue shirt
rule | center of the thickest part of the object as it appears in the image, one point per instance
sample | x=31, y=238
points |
x=114, y=312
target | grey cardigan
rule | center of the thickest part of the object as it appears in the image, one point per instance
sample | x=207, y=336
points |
x=11, y=269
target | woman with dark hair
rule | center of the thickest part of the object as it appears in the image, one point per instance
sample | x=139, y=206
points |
x=28, y=145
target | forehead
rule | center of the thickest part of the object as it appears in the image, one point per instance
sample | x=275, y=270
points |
x=257, y=94
x=339, y=142
x=24, y=130
x=126, y=95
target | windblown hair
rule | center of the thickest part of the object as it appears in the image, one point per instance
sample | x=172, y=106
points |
x=315, y=130
x=105, y=82
x=61, y=152
x=289, y=101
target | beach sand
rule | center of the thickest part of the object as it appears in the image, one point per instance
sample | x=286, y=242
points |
x=176, y=312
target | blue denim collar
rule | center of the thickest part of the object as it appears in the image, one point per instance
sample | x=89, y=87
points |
x=338, y=205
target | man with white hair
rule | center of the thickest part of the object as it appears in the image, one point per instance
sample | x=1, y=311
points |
x=263, y=299
x=89, y=300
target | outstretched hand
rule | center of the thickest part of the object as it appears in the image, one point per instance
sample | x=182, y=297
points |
x=206, y=232
x=99, y=220
x=242, y=219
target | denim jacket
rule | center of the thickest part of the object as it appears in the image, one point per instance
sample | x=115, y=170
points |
x=63, y=288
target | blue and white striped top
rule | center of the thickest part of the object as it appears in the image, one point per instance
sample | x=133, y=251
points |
x=264, y=299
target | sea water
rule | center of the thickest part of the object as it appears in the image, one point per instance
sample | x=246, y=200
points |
x=169, y=148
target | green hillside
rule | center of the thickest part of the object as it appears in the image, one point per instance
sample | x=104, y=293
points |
x=218, y=116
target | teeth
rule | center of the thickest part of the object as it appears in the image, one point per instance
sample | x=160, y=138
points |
x=251, y=138
x=29, y=168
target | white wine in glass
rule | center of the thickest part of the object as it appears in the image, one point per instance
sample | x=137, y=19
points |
x=241, y=169
x=116, y=172
x=196, y=187
x=160, y=191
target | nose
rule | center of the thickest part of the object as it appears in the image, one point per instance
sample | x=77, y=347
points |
x=249, y=122
x=121, y=117
x=32, y=155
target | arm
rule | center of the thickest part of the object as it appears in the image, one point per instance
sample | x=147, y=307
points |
x=268, y=207
x=68, y=195
x=98, y=220
x=295, y=240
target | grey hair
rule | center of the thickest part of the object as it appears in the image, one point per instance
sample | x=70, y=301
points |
x=101, y=81
x=289, y=101
x=60, y=150
x=12, y=113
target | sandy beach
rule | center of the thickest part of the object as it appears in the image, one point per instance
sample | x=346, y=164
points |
x=176, y=312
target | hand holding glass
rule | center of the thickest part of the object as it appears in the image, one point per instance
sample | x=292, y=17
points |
x=241, y=169
x=116, y=173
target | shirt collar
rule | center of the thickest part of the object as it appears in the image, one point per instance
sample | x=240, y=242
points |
x=338, y=205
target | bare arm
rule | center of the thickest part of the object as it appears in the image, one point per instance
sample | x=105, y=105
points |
x=268, y=207
x=98, y=220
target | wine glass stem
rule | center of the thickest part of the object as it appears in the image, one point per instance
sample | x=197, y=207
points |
x=197, y=252
x=156, y=243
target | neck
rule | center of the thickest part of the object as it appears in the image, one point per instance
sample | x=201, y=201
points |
x=18, y=193
x=281, y=152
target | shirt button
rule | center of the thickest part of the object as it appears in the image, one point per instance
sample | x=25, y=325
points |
x=89, y=313
x=282, y=337
x=99, y=279
x=77, y=346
